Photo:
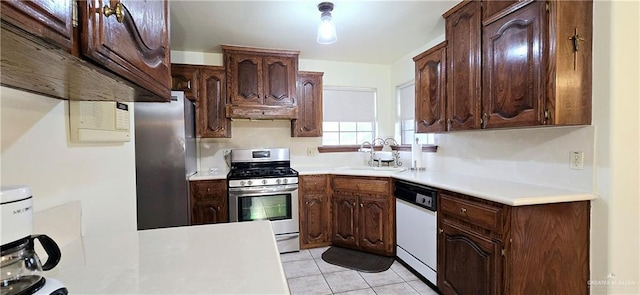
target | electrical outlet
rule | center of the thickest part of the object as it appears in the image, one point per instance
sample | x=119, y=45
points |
x=576, y=160
x=312, y=152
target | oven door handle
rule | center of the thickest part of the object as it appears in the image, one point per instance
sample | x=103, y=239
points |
x=261, y=190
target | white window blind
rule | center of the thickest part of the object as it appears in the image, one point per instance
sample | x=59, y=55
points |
x=349, y=105
x=349, y=116
x=407, y=98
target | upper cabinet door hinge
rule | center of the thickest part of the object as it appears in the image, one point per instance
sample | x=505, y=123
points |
x=502, y=252
x=74, y=14
x=546, y=6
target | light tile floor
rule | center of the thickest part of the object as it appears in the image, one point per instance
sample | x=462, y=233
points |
x=308, y=274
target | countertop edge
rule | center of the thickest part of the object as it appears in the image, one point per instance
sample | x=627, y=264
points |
x=549, y=195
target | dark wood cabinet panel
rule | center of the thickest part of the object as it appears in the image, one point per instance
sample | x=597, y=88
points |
x=50, y=20
x=430, y=79
x=468, y=263
x=491, y=7
x=135, y=47
x=185, y=78
x=514, y=69
x=208, y=201
x=315, y=213
x=309, y=122
x=490, y=248
x=374, y=225
x=345, y=220
x=279, y=80
x=363, y=210
x=245, y=79
x=210, y=114
x=569, y=85
x=537, y=64
x=463, y=30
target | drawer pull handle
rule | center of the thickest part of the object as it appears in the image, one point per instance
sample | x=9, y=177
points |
x=463, y=210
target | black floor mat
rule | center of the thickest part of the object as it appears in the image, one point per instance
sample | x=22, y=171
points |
x=357, y=260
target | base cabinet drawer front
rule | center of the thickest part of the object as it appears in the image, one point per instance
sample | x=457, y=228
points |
x=468, y=262
x=314, y=183
x=478, y=214
x=315, y=211
x=362, y=185
x=208, y=201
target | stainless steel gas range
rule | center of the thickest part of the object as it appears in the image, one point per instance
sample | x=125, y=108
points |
x=262, y=185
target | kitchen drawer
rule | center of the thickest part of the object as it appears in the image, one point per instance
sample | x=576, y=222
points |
x=476, y=213
x=361, y=185
x=209, y=188
x=314, y=183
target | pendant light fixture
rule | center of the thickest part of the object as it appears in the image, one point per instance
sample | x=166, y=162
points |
x=326, y=29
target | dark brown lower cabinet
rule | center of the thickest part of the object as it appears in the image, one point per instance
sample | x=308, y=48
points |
x=363, y=214
x=491, y=248
x=209, y=201
x=315, y=211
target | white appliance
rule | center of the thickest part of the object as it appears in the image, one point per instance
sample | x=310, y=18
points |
x=21, y=269
x=416, y=225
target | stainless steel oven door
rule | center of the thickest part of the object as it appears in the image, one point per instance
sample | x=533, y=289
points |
x=278, y=203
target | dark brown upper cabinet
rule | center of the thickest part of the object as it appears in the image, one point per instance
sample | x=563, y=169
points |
x=133, y=42
x=463, y=29
x=537, y=65
x=261, y=83
x=430, y=67
x=210, y=113
x=309, y=122
x=206, y=85
x=50, y=20
x=46, y=46
x=185, y=78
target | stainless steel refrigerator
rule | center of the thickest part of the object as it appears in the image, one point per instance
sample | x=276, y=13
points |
x=165, y=157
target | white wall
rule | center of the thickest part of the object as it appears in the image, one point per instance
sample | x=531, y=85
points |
x=36, y=151
x=615, y=219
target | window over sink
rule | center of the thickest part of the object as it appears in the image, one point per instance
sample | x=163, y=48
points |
x=349, y=115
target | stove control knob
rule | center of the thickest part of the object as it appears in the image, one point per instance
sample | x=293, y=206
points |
x=285, y=181
x=278, y=181
x=264, y=181
x=242, y=182
x=249, y=182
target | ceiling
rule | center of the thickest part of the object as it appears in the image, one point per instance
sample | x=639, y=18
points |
x=378, y=32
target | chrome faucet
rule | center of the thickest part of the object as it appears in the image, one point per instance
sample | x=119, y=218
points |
x=370, y=151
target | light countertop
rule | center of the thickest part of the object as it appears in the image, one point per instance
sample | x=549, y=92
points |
x=501, y=191
x=209, y=175
x=227, y=258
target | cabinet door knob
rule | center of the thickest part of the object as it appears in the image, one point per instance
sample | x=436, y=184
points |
x=208, y=189
x=463, y=210
x=361, y=205
x=440, y=230
x=118, y=11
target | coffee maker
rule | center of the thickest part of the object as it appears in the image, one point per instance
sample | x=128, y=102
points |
x=21, y=269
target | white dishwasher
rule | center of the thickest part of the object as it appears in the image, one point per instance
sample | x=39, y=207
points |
x=416, y=227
